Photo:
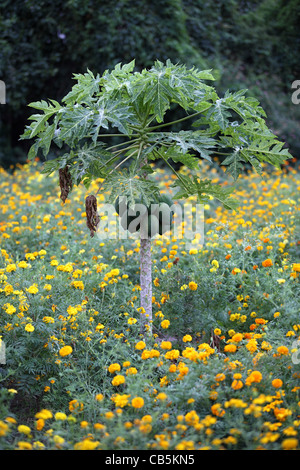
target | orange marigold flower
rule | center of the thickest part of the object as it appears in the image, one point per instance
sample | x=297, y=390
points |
x=254, y=377
x=277, y=383
x=296, y=267
x=237, y=337
x=282, y=350
x=267, y=263
x=237, y=384
x=261, y=321
x=230, y=348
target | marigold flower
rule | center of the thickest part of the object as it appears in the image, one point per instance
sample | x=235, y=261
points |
x=140, y=345
x=187, y=338
x=114, y=367
x=40, y=424
x=282, y=350
x=137, y=402
x=192, y=418
x=193, y=285
x=254, y=377
x=230, y=348
x=65, y=351
x=165, y=324
x=86, y=444
x=296, y=267
x=118, y=380
x=29, y=328
x=267, y=263
x=237, y=337
x=24, y=429
x=236, y=384
x=24, y=445
x=217, y=410
x=251, y=345
x=59, y=416
x=32, y=289
x=277, y=383
x=290, y=443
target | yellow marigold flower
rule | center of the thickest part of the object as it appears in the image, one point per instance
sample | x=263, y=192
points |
x=217, y=331
x=193, y=285
x=162, y=396
x=191, y=418
x=187, y=338
x=33, y=289
x=60, y=416
x=99, y=396
x=165, y=324
x=114, y=367
x=296, y=267
x=166, y=345
x=29, y=328
x=75, y=405
x=131, y=371
x=10, y=309
x=120, y=400
x=48, y=319
x=137, y=402
x=251, y=345
x=173, y=354
x=4, y=428
x=10, y=268
x=118, y=380
x=140, y=345
x=78, y=285
x=24, y=445
x=290, y=443
x=86, y=444
x=24, y=429
x=44, y=414
x=230, y=348
x=65, y=351
x=23, y=264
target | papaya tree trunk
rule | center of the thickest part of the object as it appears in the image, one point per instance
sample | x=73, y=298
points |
x=146, y=285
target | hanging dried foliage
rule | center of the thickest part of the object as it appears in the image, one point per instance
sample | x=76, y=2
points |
x=65, y=182
x=92, y=217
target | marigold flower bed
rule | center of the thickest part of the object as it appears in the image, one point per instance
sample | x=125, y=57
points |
x=221, y=370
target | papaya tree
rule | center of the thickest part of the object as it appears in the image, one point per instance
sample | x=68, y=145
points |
x=116, y=127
